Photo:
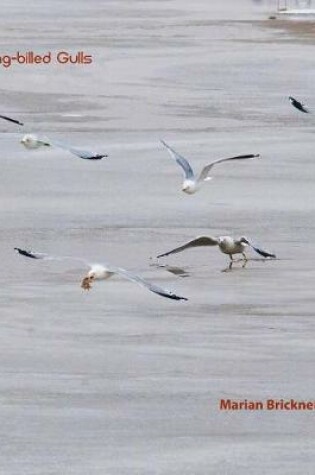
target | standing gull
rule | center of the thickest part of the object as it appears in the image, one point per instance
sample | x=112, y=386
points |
x=298, y=105
x=227, y=245
x=102, y=272
x=191, y=183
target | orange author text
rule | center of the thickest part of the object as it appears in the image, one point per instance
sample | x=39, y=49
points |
x=266, y=405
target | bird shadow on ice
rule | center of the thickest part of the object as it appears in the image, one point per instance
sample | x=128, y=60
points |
x=235, y=265
x=178, y=271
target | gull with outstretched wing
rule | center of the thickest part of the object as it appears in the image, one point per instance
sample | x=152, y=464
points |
x=32, y=141
x=191, y=182
x=226, y=244
x=102, y=272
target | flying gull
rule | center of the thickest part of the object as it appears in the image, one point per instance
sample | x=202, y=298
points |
x=227, y=245
x=32, y=141
x=191, y=183
x=102, y=272
x=298, y=105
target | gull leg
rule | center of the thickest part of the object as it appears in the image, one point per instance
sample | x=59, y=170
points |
x=245, y=260
x=229, y=267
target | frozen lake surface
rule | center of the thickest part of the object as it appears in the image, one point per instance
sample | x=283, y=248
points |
x=120, y=381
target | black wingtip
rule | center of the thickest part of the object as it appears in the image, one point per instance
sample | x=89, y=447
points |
x=96, y=157
x=9, y=119
x=25, y=253
x=264, y=253
x=18, y=249
x=298, y=105
x=176, y=297
x=251, y=155
x=169, y=295
x=163, y=255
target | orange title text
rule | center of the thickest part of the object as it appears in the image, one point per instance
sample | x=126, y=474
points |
x=62, y=57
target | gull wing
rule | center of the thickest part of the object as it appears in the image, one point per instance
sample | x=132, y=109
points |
x=205, y=171
x=182, y=162
x=302, y=108
x=299, y=105
x=30, y=254
x=47, y=257
x=260, y=251
x=197, y=242
x=85, y=154
x=5, y=117
x=144, y=283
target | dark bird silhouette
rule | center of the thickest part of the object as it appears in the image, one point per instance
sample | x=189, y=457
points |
x=25, y=253
x=298, y=105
